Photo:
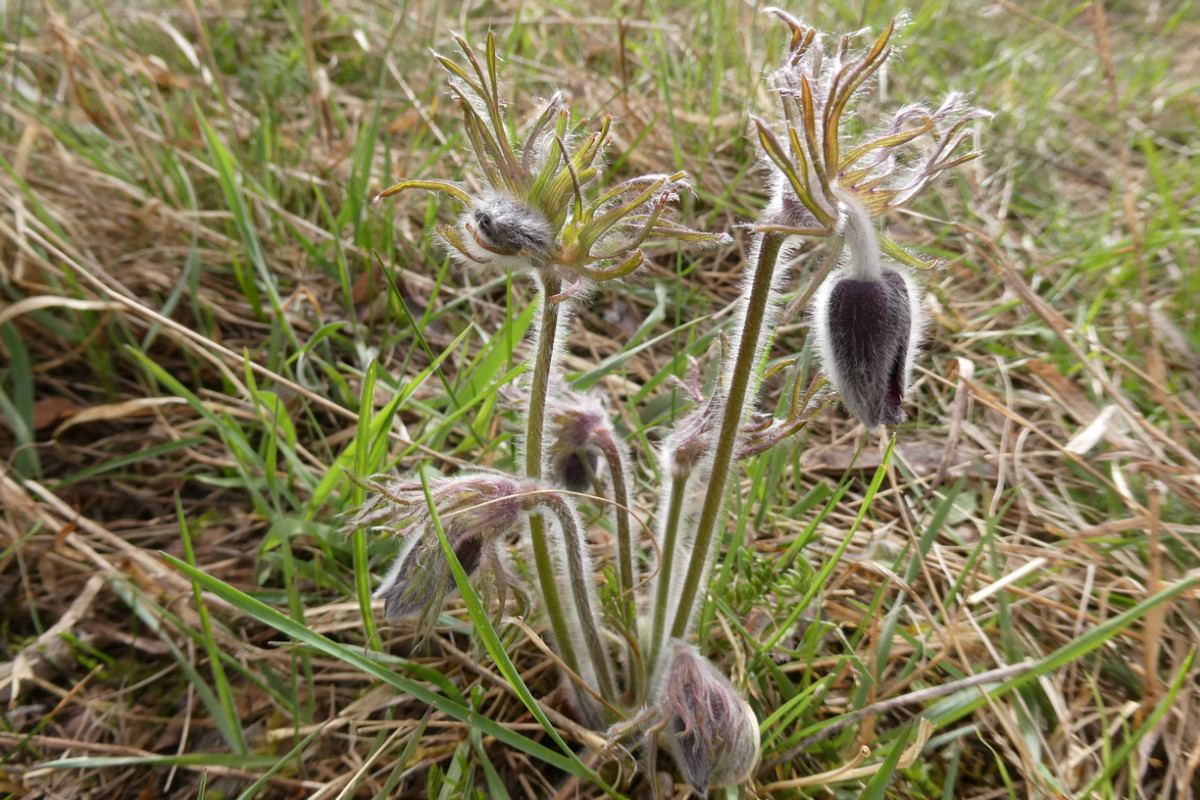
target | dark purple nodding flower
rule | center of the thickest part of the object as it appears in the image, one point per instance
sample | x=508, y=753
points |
x=865, y=329
x=867, y=320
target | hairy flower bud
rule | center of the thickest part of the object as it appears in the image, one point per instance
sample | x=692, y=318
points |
x=580, y=428
x=498, y=230
x=475, y=512
x=542, y=209
x=708, y=729
x=867, y=321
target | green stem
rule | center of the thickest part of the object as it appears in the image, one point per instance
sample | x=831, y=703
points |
x=580, y=580
x=626, y=577
x=731, y=422
x=662, y=594
x=616, y=468
x=544, y=567
x=534, y=434
x=535, y=426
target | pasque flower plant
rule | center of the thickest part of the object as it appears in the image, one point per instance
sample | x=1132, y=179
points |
x=541, y=208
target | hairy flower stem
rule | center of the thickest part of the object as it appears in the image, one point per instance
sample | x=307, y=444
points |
x=580, y=578
x=727, y=438
x=662, y=592
x=547, y=342
x=626, y=576
x=616, y=468
x=535, y=424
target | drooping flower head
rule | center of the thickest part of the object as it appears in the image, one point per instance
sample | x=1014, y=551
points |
x=580, y=435
x=476, y=511
x=540, y=208
x=867, y=314
x=867, y=323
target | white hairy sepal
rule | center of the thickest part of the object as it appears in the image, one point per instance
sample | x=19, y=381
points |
x=710, y=731
x=849, y=375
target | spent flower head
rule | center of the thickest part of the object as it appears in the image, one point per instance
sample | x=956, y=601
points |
x=540, y=208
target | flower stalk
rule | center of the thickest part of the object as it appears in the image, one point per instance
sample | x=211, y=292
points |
x=733, y=412
x=535, y=428
x=580, y=580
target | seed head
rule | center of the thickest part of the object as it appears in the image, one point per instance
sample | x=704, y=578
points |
x=501, y=230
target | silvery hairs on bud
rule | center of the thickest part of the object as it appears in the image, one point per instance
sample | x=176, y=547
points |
x=867, y=321
x=706, y=726
x=503, y=227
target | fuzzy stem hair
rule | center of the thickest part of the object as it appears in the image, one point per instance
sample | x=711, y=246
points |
x=662, y=586
x=859, y=232
x=579, y=577
x=756, y=309
x=546, y=349
x=619, y=470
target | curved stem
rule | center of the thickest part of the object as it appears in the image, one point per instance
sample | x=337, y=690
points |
x=621, y=499
x=626, y=573
x=731, y=421
x=581, y=579
x=861, y=239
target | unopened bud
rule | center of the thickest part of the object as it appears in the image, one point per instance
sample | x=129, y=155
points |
x=708, y=729
x=867, y=320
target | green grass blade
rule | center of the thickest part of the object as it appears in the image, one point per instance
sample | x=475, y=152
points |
x=289, y=627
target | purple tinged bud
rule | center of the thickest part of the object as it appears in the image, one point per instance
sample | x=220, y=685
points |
x=708, y=729
x=576, y=424
x=867, y=322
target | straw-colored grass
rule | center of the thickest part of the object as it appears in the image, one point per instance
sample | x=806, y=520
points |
x=206, y=331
